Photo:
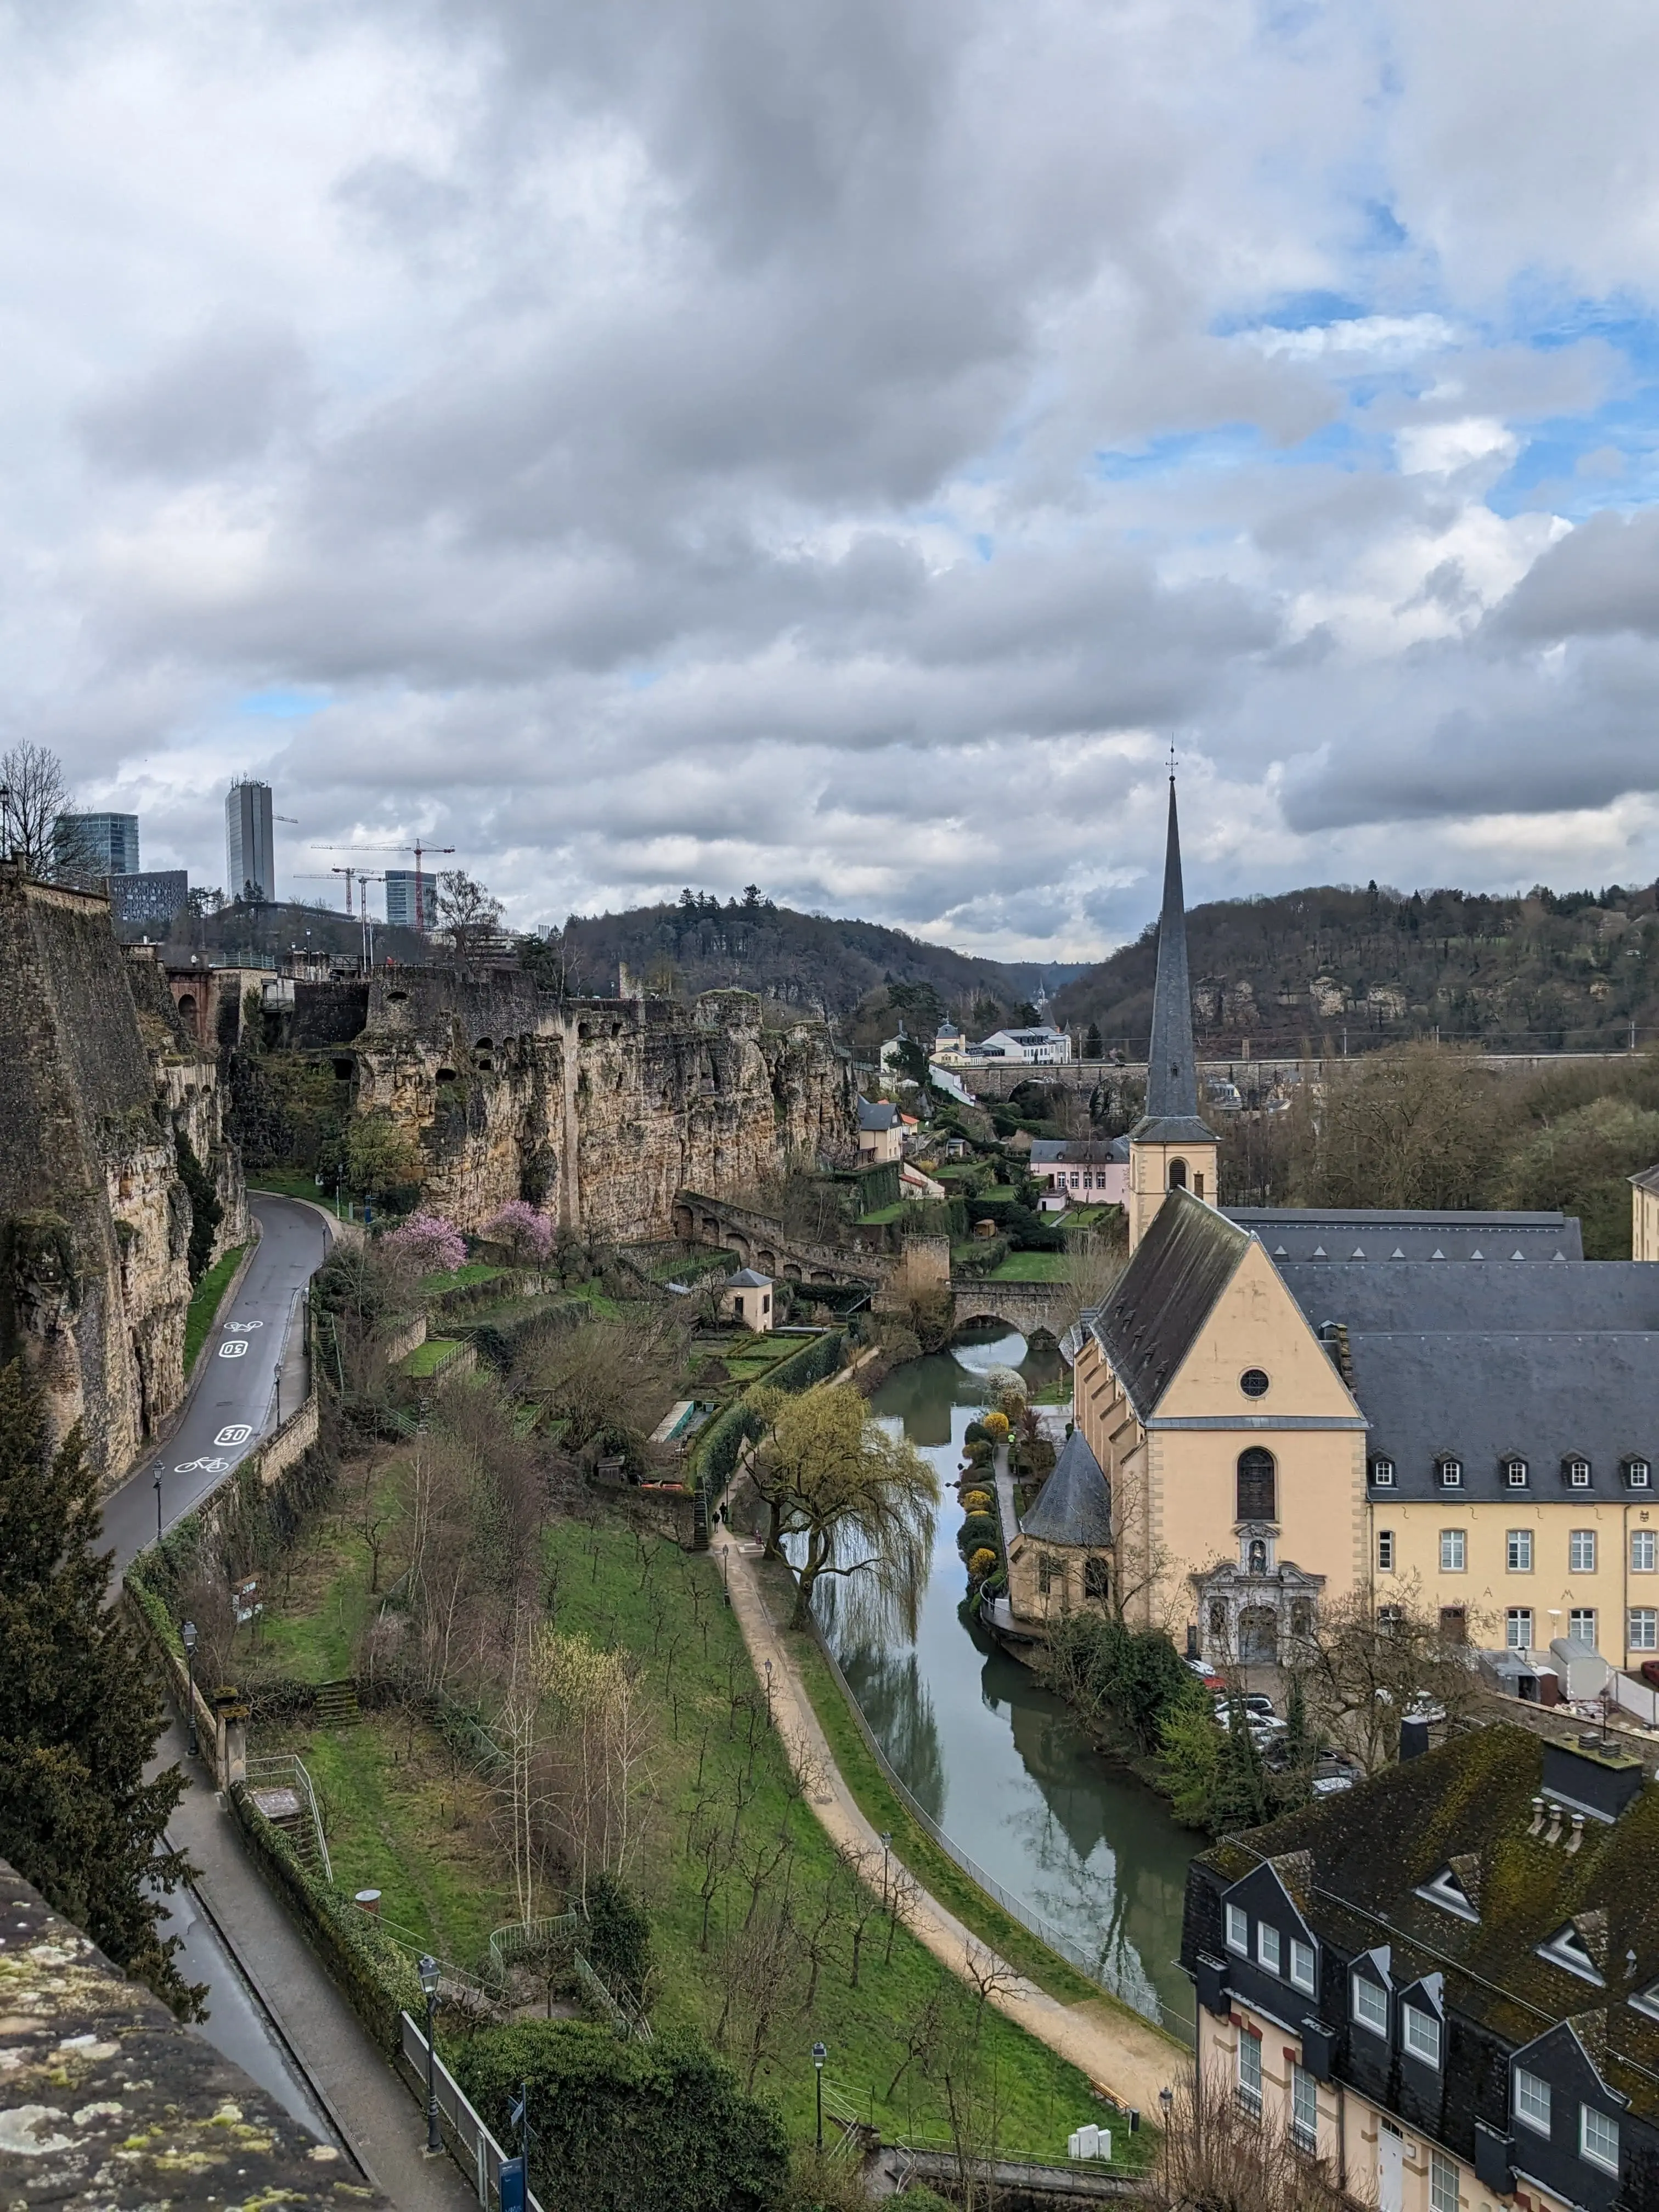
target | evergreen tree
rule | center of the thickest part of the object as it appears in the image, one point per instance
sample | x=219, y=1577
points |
x=80, y=1712
x=1241, y=1787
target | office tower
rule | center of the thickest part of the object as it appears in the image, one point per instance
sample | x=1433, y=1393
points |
x=153, y=900
x=86, y=848
x=400, y=900
x=250, y=859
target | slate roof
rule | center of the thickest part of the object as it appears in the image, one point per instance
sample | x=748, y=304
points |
x=1541, y=1397
x=1078, y=1151
x=1171, y=1063
x=747, y=1280
x=1648, y=1180
x=876, y=1114
x=1075, y=1506
x=1166, y=1294
x=1424, y=1294
x=1373, y=1847
x=1387, y=1233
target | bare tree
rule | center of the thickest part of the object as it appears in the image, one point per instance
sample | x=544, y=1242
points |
x=35, y=795
x=466, y=912
x=1366, y=1665
x=1213, y=2154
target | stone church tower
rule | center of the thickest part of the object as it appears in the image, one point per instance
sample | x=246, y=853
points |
x=1170, y=1148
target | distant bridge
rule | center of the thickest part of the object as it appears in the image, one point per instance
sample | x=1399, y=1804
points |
x=758, y=1240
x=1034, y=1308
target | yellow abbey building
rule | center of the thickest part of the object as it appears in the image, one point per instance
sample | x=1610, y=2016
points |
x=1277, y=1407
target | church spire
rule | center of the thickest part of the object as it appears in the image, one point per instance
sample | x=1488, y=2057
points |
x=1172, y=1069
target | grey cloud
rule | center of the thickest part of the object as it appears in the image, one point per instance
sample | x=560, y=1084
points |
x=1602, y=577
x=214, y=403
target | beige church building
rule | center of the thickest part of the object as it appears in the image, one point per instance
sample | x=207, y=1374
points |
x=1278, y=1407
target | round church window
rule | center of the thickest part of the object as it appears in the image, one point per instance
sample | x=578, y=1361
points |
x=1253, y=1382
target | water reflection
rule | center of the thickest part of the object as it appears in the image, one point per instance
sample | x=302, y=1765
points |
x=996, y=1761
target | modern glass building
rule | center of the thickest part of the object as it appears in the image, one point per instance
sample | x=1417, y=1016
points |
x=400, y=900
x=86, y=848
x=249, y=857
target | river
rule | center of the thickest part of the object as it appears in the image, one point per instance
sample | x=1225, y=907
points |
x=997, y=1762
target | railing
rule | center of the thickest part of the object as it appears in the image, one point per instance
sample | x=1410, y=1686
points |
x=285, y=1768
x=474, y=2150
x=1166, y=2016
x=520, y=1939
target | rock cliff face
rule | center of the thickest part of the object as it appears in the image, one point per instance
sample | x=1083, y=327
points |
x=98, y=1084
x=600, y=1109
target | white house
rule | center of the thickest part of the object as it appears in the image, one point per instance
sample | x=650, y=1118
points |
x=748, y=1299
x=1082, y=1171
x=880, y=1134
x=1038, y=1047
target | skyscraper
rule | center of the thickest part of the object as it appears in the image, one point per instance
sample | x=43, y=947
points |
x=89, y=846
x=400, y=900
x=250, y=859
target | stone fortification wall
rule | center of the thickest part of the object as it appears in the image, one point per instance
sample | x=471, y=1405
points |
x=600, y=1109
x=97, y=1081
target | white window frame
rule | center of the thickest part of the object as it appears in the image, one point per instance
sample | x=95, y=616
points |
x=1238, y=1931
x=1517, y=1551
x=1514, y=1474
x=1364, y=1988
x=1249, y=2073
x=1385, y=1551
x=1581, y=1551
x=1443, y=2177
x=1592, y=2123
x=1304, y=1965
x=1451, y=1472
x=1639, y=1473
x=1414, y=2019
x=1453, y=1551
x=1269, y=1947
x=1643, y=1551
x=1578, y=1474
x=1305, y=2109
x=1581, y=1623
x=1513, y=1616
x=1641, y=1628
x=1530, y=2101
x=1382, y=1473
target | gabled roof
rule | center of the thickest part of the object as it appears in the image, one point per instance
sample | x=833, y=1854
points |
x=1368, y=1234
x=1166, y=1294
x=1413, y=1294
x=1076, y=1505
x=747, y=1280
x=1648, y=1180
x=1078, y=1151
x=876, y=1114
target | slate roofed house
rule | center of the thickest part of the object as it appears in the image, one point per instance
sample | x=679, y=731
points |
x=880, y=1133
x=1042, y=1047
x=747, y=1296
x=1444, y=1985
x=1083, y=1170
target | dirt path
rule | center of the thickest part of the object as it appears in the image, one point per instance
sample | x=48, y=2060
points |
x=1120, y=2053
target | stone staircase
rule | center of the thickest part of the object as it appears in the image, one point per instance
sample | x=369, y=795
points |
x=337, y=1704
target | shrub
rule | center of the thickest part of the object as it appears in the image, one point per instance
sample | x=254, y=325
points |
x=976, y=1501
x=978, y=1529
x=975, y=1433
x=980, y=1454
x=656, y=2127
x=618, y=1940
x=1109, y=1671
x=982, y=1563
x=996, y=1427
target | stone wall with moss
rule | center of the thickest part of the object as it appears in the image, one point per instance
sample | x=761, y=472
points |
x=98, y=1082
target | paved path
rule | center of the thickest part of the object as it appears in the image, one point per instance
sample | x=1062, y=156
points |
x=1118, y=2051
x=235, y=1402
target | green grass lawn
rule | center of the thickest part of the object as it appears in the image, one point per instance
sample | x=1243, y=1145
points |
x=1030, y=1267
x=696, y=1663
x=999, y=1193
x=882, y=1216
x=292, y=1182
x=427, y=1358
x=204, y=1301
x=319, y=1601
x=456, y=1279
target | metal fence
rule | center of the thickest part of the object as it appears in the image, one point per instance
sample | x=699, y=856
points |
x=1165, y=2015
x=474, y=2150
x=283, y=1769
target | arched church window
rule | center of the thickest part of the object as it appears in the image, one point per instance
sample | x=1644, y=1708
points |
x=1256, y=1484
x=1094, y=1580
x=1177, y=1175
x=1197, y=1184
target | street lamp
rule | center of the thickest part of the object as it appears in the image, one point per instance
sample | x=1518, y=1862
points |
x=886, y=1842
x=427, y=1971
x=769, y=1694
x=819, y=2054
x=1166, y=2097
x=187, y=1637
x=278, y=1372
x=158, y=1504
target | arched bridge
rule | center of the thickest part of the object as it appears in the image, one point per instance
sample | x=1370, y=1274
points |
x=1034, y=1308
x=759, y=1242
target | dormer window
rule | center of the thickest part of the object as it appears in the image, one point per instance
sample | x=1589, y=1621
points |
x=1370, y=2005
x=1446, y=1890
x=1598, y=2139
x=1267, y=1945
x=1382, y=1473
x=1420, y=2031
x=1646, y=2001
x=1449, y=1473
x=1638, y=1475
x=1514, y=1474
x=1576, y=1473
x=1566, y=1948
x=1531, y=2101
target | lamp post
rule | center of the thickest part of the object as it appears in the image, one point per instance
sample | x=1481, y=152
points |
x=187, y=1637
x=886, y=1840
x=819, y=2054
x=158, y=1504
x=278, y=1372
x=427, y=1971
x=769, y=1694
x=1166, y=2099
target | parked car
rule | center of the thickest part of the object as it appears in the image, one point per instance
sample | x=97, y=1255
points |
x=1253, y=1701
x=1206, y=1673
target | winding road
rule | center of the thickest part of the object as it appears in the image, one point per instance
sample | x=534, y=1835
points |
x=270, y=2007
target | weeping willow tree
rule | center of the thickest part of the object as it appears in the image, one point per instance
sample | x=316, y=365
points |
x=858, y=1502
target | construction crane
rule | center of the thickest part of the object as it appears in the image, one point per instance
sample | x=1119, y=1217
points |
x=419, y=850
x=365, y=877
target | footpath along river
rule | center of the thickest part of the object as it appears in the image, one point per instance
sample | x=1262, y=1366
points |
x=997, y=1762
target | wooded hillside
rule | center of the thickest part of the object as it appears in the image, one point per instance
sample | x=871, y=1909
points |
x=1548, y=972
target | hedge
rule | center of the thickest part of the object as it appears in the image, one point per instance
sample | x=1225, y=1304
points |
x=716, y=1457
x=378, y=1982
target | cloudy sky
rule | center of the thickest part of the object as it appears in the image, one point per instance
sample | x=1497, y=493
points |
x=838, y=447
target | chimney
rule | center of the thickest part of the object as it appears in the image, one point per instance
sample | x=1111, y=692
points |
x=1588, y=1775
x=1414, y=1740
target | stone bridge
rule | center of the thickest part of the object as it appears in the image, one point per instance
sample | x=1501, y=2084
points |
x=1034, y=1308
x=758, y=1240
